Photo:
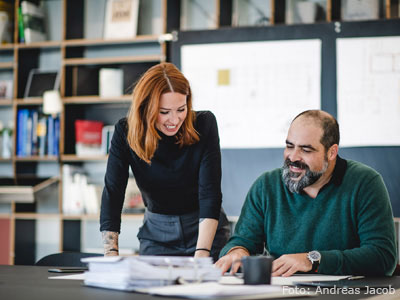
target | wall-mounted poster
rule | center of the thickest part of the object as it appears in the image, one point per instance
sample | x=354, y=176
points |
x=255, y=89
x=368, y=91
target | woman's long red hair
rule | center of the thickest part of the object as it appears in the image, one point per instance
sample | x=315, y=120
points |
x=142, y=134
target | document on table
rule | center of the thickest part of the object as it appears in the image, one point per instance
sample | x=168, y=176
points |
x=232, y=280
x=79, y=276
x=292, y=280
x=215, y=290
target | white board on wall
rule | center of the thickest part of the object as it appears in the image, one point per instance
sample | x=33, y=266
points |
x=255, y=89
x=368, y=91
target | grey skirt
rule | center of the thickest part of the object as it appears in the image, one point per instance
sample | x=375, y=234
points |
x=177, y=235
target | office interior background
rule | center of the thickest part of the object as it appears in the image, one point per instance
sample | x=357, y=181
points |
x=254, y=63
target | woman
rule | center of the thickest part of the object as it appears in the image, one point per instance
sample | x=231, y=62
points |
x=175, y=157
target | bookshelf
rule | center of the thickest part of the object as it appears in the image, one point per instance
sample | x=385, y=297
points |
x=75, y=47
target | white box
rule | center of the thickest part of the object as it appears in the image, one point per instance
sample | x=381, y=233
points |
x=111, y=82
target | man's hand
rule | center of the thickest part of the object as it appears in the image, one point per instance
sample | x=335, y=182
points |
x=225, y=262
x=288, y=264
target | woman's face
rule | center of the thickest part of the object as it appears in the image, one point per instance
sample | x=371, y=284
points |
x=173, y=111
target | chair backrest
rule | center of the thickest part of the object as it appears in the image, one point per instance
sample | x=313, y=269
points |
x=65, y=259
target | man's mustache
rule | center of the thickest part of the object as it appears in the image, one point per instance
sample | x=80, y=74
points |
x=296, y=164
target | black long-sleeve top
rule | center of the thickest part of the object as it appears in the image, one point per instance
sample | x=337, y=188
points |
x=179, y=180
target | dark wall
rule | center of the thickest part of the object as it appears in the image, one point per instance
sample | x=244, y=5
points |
x=241, y=167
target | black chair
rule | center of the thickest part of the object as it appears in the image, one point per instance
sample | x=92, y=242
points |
x=65, y=259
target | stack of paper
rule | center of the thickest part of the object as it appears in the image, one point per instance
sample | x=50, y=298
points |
x=140, y=272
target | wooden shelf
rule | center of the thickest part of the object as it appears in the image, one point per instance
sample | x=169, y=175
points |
x=46, y=44
x=35, y=216
x=96, y=99
x=112, y=60
x=102, y=42
x=7, y=47
x=6, y=65
x=74, y=157
x=97, y=217
x=5, y=160
x=38, y=158
x=6, y=102
x=29, y=101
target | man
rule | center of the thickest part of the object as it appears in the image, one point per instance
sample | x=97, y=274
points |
x=319, y=212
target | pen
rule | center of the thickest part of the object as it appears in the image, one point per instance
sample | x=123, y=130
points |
x=355, y=277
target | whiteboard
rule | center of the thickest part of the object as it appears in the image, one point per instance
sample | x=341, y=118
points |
x=255, y=89
x=368, y=91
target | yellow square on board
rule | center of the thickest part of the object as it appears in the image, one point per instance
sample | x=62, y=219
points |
x=224, y=77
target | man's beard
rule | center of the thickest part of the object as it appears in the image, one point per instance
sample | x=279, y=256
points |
x=310, y=177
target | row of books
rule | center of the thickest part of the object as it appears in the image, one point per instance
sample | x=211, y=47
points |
x=37, y=134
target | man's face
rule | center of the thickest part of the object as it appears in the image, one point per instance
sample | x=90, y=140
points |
x=305, y=158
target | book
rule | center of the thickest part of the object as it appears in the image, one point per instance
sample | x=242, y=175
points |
x=33, y=20
x=6, y=21
x=21, y=26
x=41, y=132
x=56, y=136
x=106, y=136
x=121, y=19
x=88, y=137
x=50, y=135
x=22, y=126
x=34, y=141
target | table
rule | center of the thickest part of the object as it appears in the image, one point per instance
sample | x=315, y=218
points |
x=32, y=283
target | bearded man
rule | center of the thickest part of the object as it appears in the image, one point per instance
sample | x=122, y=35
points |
x=318, y=213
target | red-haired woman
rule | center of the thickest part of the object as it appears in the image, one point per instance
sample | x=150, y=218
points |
x=175, y=157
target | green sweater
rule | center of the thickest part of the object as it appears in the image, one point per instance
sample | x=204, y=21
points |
x=350, y=222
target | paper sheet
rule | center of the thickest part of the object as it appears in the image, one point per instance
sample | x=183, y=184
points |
x=213, y=289
x=80, y=276
x=368, y=91
x=255, y=89
x=233, y=280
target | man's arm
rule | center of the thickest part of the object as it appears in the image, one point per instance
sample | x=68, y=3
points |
x=377, y=253
x=249, y=233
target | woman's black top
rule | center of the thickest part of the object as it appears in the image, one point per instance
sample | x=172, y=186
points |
x=179, y=180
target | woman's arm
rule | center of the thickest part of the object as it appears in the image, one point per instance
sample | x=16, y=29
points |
x=110, y=243
x=115, y=182
x=207, y=229
x=210, y=196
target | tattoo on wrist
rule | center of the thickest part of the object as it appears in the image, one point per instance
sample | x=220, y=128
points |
x=110, y=241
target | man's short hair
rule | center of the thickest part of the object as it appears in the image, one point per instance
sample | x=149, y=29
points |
x=328, y=123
